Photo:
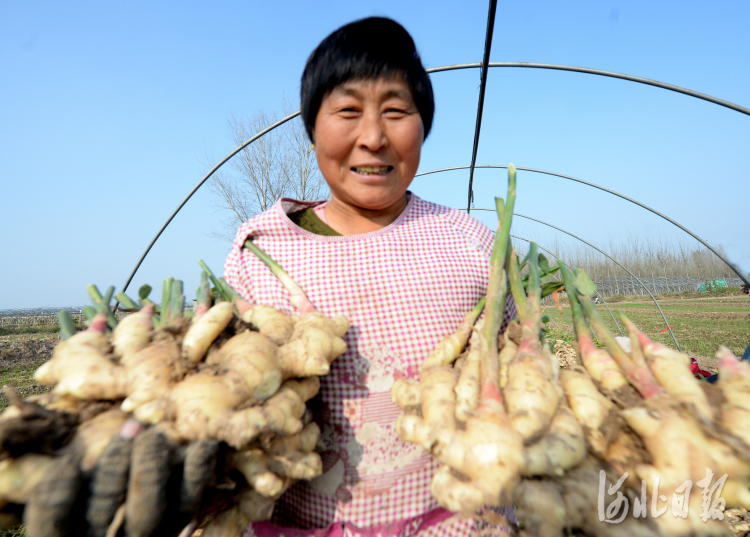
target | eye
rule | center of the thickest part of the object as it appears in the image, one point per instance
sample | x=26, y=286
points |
x=348, y=111
x=395, y=113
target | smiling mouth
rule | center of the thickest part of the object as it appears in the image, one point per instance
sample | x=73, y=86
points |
x=372, y=170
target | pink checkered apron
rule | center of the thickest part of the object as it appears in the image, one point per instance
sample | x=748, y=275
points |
x=403, y=289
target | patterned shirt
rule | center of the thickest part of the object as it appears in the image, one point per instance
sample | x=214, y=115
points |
x=403, y=288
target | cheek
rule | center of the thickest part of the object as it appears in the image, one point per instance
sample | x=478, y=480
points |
x=411, y=145
x=332, y=145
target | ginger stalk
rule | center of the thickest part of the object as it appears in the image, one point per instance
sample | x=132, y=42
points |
x=635, y=369
x=297, y=297
x=532, y=393
x=489, y=451
x=491, y=400
x=597, y=362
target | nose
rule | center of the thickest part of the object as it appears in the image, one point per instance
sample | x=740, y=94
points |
x=372, y=134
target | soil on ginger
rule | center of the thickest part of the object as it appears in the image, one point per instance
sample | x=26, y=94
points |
x=19, y=358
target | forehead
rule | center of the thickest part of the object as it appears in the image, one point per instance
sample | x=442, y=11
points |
x=381, y=88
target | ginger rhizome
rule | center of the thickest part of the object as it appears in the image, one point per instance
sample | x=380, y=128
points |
x=507, y=426
x=234, y=373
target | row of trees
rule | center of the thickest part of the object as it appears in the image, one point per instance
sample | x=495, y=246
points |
x=646, y=254
x=279, y=164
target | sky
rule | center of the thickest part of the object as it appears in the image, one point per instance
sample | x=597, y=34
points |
x=111, y=111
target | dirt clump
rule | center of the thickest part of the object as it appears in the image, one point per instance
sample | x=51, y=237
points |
x=565, y=353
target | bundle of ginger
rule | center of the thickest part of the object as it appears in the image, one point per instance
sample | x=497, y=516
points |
x=222, y=394
x=507, y=426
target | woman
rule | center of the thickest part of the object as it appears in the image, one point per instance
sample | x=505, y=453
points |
x=403, y=271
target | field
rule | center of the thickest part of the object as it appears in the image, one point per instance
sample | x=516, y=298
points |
x=700, y=322
x=20, y=355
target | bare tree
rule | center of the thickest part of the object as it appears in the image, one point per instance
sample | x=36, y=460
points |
x=300, y=165
x=279, y=164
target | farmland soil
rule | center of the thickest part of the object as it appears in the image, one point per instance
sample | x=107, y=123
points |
x=31, y=352
x=25, y=354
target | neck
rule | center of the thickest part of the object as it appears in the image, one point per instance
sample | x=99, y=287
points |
x=351, y=220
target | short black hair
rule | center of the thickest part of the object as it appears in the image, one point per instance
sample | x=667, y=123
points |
x=366, y=49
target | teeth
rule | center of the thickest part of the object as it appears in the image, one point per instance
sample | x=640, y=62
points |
x=372, y=170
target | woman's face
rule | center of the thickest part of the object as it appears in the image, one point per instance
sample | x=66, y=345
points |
x=368, y=139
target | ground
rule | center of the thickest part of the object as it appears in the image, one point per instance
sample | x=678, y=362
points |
x=19, y=358
x=700, y=324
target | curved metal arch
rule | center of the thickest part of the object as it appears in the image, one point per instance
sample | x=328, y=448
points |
x=597, y=291
x=239, y=148
x=610, y=74
x=608, y=257
x=454, y=67
x=623, y=196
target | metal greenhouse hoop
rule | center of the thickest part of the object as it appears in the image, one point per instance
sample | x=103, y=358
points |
x=609, y=257
x=623, y=196
x=597, y=292
x=488, y=42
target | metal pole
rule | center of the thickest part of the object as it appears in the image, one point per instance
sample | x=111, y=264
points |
x=613, y=259
x=623, y=196
x=598, y=293
x=482, y=86
x=611, y=74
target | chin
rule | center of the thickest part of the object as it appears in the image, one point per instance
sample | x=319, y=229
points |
x=378, y=203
